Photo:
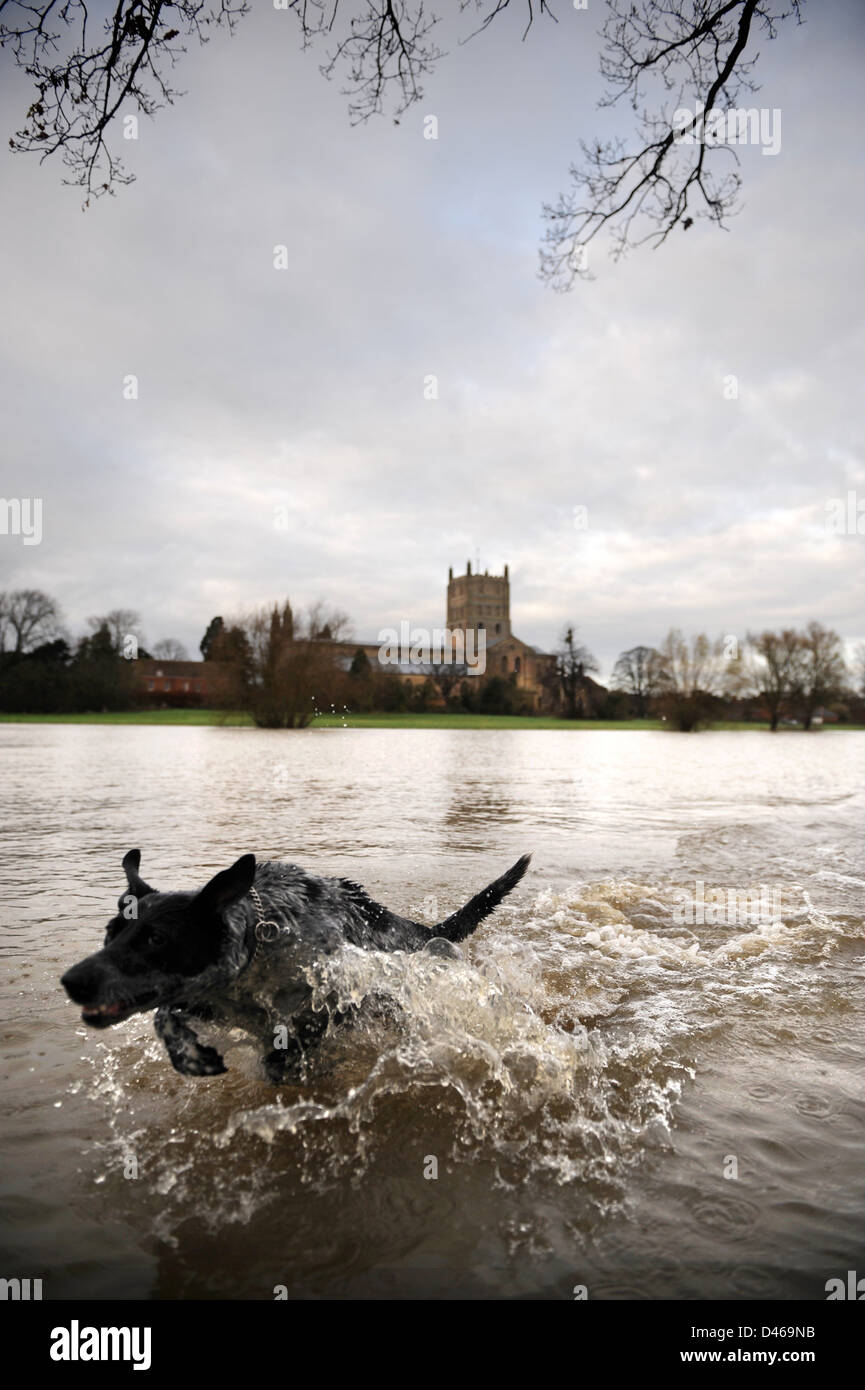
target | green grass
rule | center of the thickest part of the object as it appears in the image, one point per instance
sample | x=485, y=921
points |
x=199, y=717
x=191, y=718
x=188, y=717
x=473, y=721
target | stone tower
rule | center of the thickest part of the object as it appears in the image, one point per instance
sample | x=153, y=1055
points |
x=480, y=600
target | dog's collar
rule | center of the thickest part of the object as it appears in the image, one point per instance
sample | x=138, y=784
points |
x=262, y=930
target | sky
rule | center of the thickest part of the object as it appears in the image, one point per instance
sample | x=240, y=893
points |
x=281, y=444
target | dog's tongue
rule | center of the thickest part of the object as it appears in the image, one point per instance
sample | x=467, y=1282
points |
x=102, y=1011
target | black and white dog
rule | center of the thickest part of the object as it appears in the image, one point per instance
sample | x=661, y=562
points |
x=242, y=952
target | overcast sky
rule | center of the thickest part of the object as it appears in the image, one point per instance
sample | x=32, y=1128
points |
x=298, y=395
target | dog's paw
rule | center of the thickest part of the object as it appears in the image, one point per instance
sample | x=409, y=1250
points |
x=186, y=1054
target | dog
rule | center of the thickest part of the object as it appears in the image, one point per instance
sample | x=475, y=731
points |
x=242, y=951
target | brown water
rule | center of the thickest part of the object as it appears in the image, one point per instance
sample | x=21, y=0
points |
x=584, y=1075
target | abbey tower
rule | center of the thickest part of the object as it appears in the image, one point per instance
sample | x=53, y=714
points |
x=480, y=601
x=484, y=601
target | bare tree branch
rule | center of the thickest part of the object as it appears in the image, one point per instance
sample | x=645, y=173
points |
x=695, y=55
x=699, y=52
x=84, y=73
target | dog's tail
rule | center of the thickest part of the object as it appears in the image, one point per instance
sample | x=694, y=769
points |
x=460, y=924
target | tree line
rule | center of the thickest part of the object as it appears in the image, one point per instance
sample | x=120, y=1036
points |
x=785, y=676
x=283, y=668
x=44, y=670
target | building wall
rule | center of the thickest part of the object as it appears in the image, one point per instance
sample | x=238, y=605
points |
x=188, y=682
x=532, y=671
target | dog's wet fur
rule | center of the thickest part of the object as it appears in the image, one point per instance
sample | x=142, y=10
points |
x=204, y=955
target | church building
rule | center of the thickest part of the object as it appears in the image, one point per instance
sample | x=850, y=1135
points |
x=483, y=601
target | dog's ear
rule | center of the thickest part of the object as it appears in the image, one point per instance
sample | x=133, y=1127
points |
x=137, y=887
x=226, y=887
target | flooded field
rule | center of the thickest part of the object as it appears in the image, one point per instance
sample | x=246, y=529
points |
x=643, y=1075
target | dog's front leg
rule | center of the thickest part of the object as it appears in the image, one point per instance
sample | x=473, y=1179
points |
x=186, y=1054
x=286, y=1063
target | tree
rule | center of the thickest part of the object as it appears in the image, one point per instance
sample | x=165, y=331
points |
x=639, y=673
x=124, y=628
x=102, y=678
x=699, y=55
x=55, y=653
x=231, y=646
x=99, y=646
x=28, y=618
x=699, y=50
x=447, y=676
x=821, y=669
x=287, y=671
x=205, y=646
x=859, y=669
x=693, y=679
x=323, y=624
x=573, y=664
x=392, y=693
x=777, y=656
x=169, y=649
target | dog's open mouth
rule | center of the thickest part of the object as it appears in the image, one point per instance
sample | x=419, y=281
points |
x=103, y=1015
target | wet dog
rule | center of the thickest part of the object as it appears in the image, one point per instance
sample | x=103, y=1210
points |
x=242, y=952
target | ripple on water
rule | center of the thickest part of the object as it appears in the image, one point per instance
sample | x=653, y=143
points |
x=725, y=1215
x=751, y=1281
x=815, y=1106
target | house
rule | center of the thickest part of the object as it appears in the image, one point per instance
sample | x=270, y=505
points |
x=178, y=682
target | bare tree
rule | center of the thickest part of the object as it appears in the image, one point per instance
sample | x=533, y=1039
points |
x=776, y=668
x=327, y=624
x=821, y=670
x=28, y=617
x=290, y=671
x=640, y=673
x=703, y=51
x=859, y=669
x=169, y=649
x=124, y=627
x=386, y=45
x=573, y=664
x=699, y=56
x=694, y=677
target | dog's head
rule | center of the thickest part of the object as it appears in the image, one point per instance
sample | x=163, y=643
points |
x=156, y=945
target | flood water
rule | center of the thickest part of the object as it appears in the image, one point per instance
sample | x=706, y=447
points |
x=612, y=1095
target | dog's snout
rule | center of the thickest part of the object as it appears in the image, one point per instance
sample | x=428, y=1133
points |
x=82, y=981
